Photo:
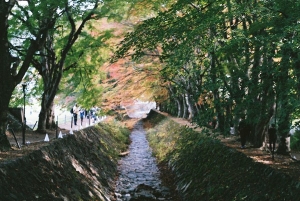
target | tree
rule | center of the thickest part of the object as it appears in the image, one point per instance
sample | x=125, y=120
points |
x=73, y=46
x=233, y=47
x=81, y=60
x=12, y=70
x=51, y=62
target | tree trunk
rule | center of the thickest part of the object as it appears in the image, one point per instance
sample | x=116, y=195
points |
x=179, y=108
x=4, y=143
x=6, y=89
x=47, y=116
x=51, y=73
x=191, y=106
x=50, y=121
x=7, y=81
x=42, y=116
x=284, y=108
x=185, y=109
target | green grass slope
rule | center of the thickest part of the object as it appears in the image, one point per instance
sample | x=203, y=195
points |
x=78, y=167
x=205, y=169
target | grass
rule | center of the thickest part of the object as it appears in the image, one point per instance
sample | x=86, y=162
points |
x=206, y=169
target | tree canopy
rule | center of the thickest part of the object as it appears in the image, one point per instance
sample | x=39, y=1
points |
x=225, y=59
x=55, y=38
x=201, y=60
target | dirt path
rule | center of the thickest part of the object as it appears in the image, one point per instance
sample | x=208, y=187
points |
x=64, y=128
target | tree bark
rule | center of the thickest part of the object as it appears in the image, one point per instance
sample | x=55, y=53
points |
x=51, y=73
x=50, y=121
x=185, y=108
x=190, y=106
x=179, y=108
x=42, y=120
x=284, y=108
x=6, y=80
x=47, y=116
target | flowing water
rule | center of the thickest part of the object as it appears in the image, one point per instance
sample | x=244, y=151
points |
x=138, y=171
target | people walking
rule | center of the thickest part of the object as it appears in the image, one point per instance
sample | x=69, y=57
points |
x=75, y=113
x=93, y=113
x=82, y=114
x=272, y=138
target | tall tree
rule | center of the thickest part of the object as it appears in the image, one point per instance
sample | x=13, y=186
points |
x=13, y=66
x=73, y=46
x=236, y=43
x=51, y=61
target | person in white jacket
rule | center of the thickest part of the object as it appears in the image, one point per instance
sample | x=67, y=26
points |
x=75, y=113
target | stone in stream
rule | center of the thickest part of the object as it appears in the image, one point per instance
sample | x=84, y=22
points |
x=147, y=193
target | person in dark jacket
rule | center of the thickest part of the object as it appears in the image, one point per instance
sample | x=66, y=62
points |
x=82, y=112
x=244, y=131
x=272, y=137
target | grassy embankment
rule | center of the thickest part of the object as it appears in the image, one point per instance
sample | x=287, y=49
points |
x=206, y=169
x=82, y=166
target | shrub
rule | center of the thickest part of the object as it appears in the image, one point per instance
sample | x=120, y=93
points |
x=295, y=141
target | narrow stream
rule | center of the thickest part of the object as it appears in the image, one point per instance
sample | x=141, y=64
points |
x=138, y=172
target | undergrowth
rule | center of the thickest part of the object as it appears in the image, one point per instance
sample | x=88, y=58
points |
x=206, y=169
x=120, y=139
x=295, y=141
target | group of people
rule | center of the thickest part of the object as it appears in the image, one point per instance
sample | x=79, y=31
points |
x=76, y=110
x=244, y=131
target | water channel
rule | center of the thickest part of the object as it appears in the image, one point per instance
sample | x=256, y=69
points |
x=138, y=172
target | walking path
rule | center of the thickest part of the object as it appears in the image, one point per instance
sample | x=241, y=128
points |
x=139, y=174
x=64, y=128
x=85, y=123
